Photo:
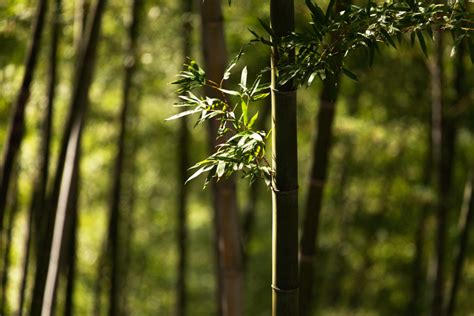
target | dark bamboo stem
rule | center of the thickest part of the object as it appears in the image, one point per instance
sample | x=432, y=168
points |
x=115, y=212
x=416, y=302
x=83, y=78
x=38, y=200
x=183, y=165
x=462, y=96
x=465, y=223
x=17, y=120
x=285, y=180
x=437, y=134
x=13, y=205
x=226, y=222
x=317, y=182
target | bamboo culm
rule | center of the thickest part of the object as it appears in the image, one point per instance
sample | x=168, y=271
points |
x=285, y=178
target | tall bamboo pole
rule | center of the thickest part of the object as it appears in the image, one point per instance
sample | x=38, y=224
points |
x=285, y=180
x=114, y=236
x=83, y=78
x=437, y=87
x=317, y=181
x=464, y=225
x=228, y=248
x=415, y=304
x=320, y=165
x=461, y=99
x=17, y=120
x=12, y=204
x=183, y=165
x=38, y=199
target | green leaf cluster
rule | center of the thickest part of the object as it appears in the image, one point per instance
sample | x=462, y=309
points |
x=334, y=35
x=242, y=148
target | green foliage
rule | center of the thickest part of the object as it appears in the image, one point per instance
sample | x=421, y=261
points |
x=318, y=52
x=334, y=35
x=243, y=147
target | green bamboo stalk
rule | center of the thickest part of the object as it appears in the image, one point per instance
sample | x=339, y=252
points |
x=285, y=179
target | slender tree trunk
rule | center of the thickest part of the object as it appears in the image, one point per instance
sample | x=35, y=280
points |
x=437, y=112
x=67, y=256
x=444, y=127
x=38, y=199
x=69, y=253
x=415, y=304
x=46, y=220
x=98, y=288
x=26, y=262
x=13, y=205
x=182, y=235
x=81, y=86
x=229, y=254
x=115, y=212
x=465, y=222
x=285, y=179
x=317, y=182
x=130, y=203
x=334, y=292
x=17, y=121
x=183, y=165
x=461, y=99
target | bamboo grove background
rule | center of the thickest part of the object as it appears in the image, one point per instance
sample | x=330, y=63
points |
x=125, y=231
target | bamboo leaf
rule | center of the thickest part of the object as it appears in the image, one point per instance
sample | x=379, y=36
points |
x=388, y=38
x=198, y=173
x=231, y=65
x=350, y=74
x=220, y=169
x=253, y=120
x=471, y=48
x=231, y=92
x=316, y=10
x=330, y=9
x=181, y=114
x=266, y=27
x=421, y=39
x=245, y=110
x=243, y=78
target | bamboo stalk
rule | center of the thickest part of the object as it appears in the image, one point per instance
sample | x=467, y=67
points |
x=226, y=222
x=285, y=179
x=183, y=165
x=17, y=120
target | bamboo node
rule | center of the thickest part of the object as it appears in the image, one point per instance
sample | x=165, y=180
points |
x=286, y=291
x=288, y=92
x=284, y=192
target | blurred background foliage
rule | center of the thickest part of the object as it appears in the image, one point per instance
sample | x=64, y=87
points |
x=372, y=202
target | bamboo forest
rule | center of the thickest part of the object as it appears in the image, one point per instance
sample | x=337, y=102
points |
x=237, y=157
